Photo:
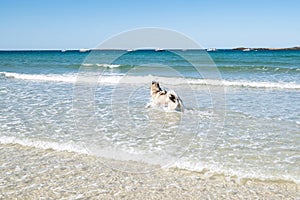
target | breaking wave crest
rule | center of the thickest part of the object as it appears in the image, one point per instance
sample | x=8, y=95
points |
x=116, y=79
x=101, y=65
x=208, y=169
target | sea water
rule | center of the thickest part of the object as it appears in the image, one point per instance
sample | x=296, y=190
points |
x=243, y=121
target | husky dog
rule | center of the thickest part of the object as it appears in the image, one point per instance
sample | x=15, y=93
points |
x=160, y=97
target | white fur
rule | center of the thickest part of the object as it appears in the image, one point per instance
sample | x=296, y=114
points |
x=168, y=99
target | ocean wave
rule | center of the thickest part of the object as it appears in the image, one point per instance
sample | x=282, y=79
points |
x=40, y=144
x=210, y=170
x=257, y=68
x=119, y=79
x=266, y=85
x=207, y=169
x=101, y=65
x=69, y=78
x=222, y=68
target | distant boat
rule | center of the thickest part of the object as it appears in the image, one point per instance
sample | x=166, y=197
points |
x=158, y=49
x=84, y=50
x=211, y=49
x=247, y=49
x=63, y=50
x=129, y=50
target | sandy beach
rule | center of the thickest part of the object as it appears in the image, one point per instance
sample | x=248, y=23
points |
x=31, y=173
x=81, y=117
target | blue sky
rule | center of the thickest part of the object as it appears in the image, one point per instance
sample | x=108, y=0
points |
x=67, y=24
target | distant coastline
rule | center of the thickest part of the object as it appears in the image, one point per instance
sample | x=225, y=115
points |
x=265, y=49
x=163, y=49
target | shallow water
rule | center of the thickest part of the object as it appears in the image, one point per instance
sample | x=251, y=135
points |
x=245, y=125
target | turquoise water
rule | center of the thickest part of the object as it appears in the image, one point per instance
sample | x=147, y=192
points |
x=241, y=119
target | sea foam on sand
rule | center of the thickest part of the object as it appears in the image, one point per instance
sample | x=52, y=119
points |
x=33, y=173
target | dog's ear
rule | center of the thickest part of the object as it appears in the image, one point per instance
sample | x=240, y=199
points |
x=153, y=82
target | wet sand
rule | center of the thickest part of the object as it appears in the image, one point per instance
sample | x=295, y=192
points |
x=31, y=173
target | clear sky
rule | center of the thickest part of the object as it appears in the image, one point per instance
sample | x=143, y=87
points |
x=73, y=24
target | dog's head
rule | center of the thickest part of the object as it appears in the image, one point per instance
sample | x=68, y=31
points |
x=155, y=87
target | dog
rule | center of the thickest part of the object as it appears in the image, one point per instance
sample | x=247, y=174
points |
x=160, y=97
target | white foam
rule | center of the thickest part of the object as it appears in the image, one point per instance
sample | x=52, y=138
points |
x=162, y=160
x=118, y=79
x=216, y=169
x=275, y=85
x=209, y=82
x=242, y=83
x=70, y=147
x=69, y=78
x=101, y=65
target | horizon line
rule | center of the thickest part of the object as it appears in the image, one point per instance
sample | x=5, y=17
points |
x=158, y=49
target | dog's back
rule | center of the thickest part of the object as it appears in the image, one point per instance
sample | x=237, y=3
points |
x=166, y=98
x=175, y=102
